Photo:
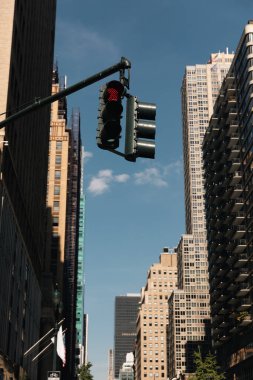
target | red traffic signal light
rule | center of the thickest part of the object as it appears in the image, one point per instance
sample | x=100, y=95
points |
x=109, y=117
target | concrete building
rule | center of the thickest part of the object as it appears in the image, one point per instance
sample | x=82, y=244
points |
x=26, y=50
x=126, y=311
x=151, y=343
x=228, y=173
x=189, y=324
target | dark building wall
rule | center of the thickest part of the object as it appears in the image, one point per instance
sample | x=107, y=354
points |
x=228, y=162
x=126, y=311
x=23, y=181
x=71, y=240
x=25, y=160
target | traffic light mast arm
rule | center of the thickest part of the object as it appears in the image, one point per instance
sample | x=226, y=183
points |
x=39, y=103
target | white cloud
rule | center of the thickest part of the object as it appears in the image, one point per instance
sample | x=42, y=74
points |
x=151, y=176
x=122, y=178
x=158, y=175
x=100, y=183
x=87, y=155
x=174, y=167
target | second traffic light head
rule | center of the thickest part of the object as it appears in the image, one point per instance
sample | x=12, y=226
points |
x=140, y=126
x=110, y=110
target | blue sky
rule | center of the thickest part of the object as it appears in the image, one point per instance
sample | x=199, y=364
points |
x=133, y=210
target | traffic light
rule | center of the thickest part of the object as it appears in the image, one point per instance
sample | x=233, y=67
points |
x=140, y=125
x=110, y=110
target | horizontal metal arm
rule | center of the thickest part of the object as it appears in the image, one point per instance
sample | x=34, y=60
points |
x=123, y=64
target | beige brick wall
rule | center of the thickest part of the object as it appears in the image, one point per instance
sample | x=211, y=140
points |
x=6, y=27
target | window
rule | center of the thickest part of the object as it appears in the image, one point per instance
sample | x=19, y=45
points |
x=57, y=190
x=56, y=205
x=58, y=145
x=57, y=174
x=55, y=221
x=58, y=160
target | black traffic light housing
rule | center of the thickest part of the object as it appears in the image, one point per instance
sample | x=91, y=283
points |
x=109, y=117
x=140, y=126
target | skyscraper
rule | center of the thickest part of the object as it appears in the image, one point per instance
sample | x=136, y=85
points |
x=26, y=50
x=81, y=340
x=71, y=240
x=189, y=305
x=65, y=200
x=228, y=173
x=151, y=343
x=126, y=310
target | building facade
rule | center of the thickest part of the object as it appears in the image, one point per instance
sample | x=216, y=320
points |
x=81, y=340
x=190, y=324
x=151, y=342
x=65, y=243
x=228, y=180
x=25, y=73
x=126, y=310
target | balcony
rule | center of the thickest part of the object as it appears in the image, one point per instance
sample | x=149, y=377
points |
x=236, y=178
x=243, y=289
x=237, y=205
x=233, y=141
x=232, y=115
x=239, y=231
x=235, y=164
x=234, y=153
x=242, y=275
x=245, y=304
x=238, y=218
x=246, y=321
x=232, y=128
x=236, y=191
x=241, y=260
x=240, y=246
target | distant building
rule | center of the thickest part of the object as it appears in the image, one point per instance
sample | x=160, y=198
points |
x=110, y=365
x=126, y=310
x=189, y=316
x=26, y=50
x=228, y=163
x=151, y=343
x=127, y=370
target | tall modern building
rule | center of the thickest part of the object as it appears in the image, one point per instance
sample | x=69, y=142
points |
x=65, y=243
x=26, y=50
x=81, y=341
x=189, y=305
x=72, y=236
x=126, y=310
x=151, y=343
x=228, y=164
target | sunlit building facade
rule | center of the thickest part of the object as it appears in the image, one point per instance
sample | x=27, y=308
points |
x=151, y=342
x=189, y=323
